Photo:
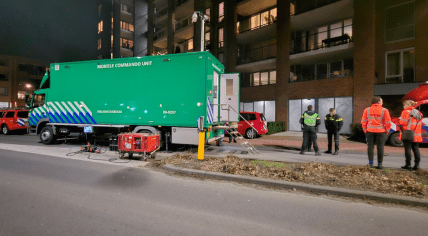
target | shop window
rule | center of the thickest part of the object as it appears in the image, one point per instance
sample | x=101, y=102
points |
x=400, y=22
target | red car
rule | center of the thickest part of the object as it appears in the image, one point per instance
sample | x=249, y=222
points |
x=257, y=120
x=13, y=119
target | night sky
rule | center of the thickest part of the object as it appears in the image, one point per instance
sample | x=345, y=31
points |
x=50, y=30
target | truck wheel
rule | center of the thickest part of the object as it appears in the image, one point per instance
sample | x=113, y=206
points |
x=47, y=136
x=394, y=141
x=250, y=133
x=5, y=130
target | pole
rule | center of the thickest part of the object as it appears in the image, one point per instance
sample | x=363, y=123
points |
x=201, y=146
x=202, y=32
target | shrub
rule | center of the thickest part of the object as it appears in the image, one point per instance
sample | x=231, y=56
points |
x=357, y=132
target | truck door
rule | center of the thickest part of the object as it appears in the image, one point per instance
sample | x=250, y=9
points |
x=215, y=97
x=229, y=97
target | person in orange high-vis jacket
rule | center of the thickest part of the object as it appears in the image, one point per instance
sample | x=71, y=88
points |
x=376, y=123
x=411, y=119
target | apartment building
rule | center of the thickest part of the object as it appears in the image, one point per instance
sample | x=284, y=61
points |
x=123, y=28
x=291, y=54
x=19, y=76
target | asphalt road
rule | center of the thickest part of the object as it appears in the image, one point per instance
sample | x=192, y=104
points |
x=45, y=195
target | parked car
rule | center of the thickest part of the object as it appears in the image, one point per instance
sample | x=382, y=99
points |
x=13, y=119
x=255, y=119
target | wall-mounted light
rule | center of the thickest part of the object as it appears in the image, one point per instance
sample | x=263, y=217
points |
x=28, y=85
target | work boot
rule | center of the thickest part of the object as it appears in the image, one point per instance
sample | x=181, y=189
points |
x=416, y=167
x=317, y=153
x=379, y=166
x=335, y=153
x=328, y=151
x=370, y=165
x=406, y=167
x=301, y=152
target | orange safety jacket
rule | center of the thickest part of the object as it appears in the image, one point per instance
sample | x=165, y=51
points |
x=415, y=124
x=376, y=119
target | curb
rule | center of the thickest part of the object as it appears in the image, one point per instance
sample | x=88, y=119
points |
x=305, y=187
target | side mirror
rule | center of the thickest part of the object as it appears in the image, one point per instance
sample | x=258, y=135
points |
x=27, y=100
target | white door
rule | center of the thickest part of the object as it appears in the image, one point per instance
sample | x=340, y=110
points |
x=229, y=97
x=215, y=97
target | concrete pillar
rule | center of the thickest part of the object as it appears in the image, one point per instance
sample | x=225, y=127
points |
x=230, y=44
x=141, y=27
x=116, y=29
x=151, y=27
x=171, y=27
x=283, y=32
x=364, y=55
x=200, y=7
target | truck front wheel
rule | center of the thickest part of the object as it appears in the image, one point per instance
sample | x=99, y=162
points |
x=5, y=130
x=394, y=141
x=47, y=136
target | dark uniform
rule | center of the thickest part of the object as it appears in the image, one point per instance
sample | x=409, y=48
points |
x=310, y=120
x=333, y=124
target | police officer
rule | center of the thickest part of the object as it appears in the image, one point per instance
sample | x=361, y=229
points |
x=333, y=123
x=310, y=120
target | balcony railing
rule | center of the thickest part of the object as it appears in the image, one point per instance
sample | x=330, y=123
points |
x=183, y=23
x=180, y=2
x=319, y=41
x=161, y=12
x=245, y=25
x=160, y=34
x=257, y=54
x=308, y=5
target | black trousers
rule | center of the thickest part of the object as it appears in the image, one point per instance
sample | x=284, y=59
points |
x=408, y=147
x=309, y=133
x=330, y=135
x=378, y=139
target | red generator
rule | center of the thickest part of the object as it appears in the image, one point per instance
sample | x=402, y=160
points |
x=141, y=143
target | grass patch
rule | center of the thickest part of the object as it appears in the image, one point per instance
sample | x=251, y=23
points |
x=265, y=163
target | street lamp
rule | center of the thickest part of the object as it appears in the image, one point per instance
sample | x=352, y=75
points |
x=203, y=19
x=28, y=85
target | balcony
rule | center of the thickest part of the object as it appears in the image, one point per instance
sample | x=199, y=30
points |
x=160, y=39
x=250, y=7
x=126, y=34
x=184, y=8
x=126, y=52
x=161, y=15
x=336, y=10
x=262, y=58
x=259, y=27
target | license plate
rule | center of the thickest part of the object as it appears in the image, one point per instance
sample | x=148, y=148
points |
x=87, y=129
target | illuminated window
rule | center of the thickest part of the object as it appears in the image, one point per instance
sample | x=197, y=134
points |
x=112, y=23
x=190, y=44
x=99, y=10
x=127, y=26
x=99, y=44
x=100, y=26
x=126, y=43
x=220, y=38
x=255, y=22
x=111, y=41
x=220, y=12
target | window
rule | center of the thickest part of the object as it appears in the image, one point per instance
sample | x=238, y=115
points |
x=112, y=21
x=99, y=44
x=400, y=22
x=190, y=44
x=22, y=114
x=100, y=26
x=255, y=22
x=264, y=78
x=321, y=71
x=322, y=34
x=207, y=36
x=336, y=30
x=400, y=66
x=336, y=69
x=256, y=79
x=3, y=77
x=220, y=12
x=39, y=100
x=423, y=108
x=347, y=27
x=99, y=10
x=10, y=114
x=264, y=18
x=292, y=9
x=3, y=91
x=127, y=43
x=273, y=15
x=272, y=77
x=111, y=40
x=126, y=26
x=220, y=38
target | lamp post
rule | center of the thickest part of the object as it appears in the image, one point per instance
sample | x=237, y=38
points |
x=203, y=19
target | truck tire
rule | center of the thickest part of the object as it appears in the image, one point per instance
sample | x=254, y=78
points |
x=5, y=130
x=394, y=141
x=250, y=133
x=47, y=136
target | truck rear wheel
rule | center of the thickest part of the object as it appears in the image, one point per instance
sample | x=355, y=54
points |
x=47, y=136
x=250, y=133
x=5, y=130
x=394, y=141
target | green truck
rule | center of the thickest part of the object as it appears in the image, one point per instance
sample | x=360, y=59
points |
x=176, y=95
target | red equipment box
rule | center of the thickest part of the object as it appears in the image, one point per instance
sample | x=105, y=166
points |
x=138, y=142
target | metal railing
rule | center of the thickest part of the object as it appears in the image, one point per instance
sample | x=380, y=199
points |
x=161, y=12
x=183, y=23
x=160, y=34
x=257, y=54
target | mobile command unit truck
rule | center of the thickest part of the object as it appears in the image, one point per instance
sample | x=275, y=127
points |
x=175, y=95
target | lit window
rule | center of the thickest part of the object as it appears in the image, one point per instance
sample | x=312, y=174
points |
x=190, y=44
x=347, y=27
x=220, y=12
x=400, y=66
x=111, y=41
x=99, y=44
x=322, y=34
x=273, y=15
x=100, y=26
x=264, y=78
x=220, y=38
x=292, y=9
x=99, y=10
x=336, y=30
x=272, y=77
x=255, y=22
x=264, y=18
x=112, y=23
x=400, y=22
x=256, y=79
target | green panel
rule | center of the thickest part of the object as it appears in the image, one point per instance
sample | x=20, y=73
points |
x=168, y=90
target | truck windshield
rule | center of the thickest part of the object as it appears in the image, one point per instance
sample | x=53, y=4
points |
x=39, y=100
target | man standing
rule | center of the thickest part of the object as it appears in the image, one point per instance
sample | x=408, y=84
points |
x=310, y=120
x=333, y=123
x=376, y=123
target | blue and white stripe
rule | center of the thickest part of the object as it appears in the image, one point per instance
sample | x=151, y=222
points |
x=63, y=112
x=210, y=111
x=21, y=122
